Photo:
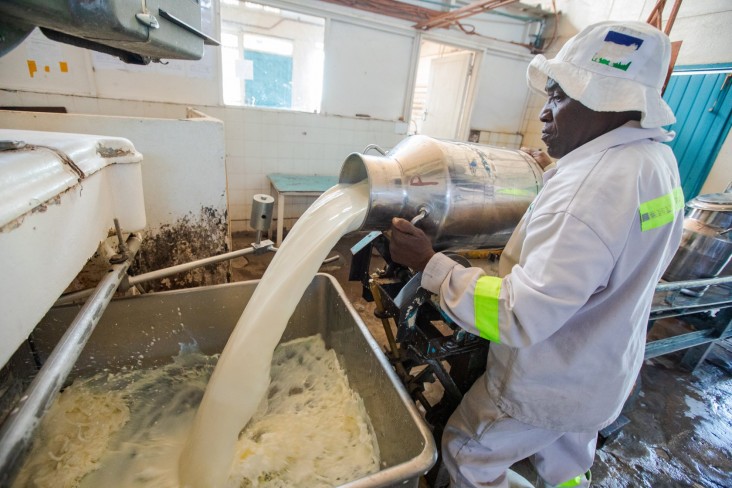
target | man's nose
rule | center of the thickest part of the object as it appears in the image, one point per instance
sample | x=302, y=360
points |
x=545, y=115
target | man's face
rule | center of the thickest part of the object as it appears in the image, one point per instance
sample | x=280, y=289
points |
x=567, y=123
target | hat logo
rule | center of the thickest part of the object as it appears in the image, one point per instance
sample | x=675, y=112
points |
x=617, y=50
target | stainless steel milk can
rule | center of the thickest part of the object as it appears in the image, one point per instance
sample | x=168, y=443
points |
x=706, y=243
x=470, y=195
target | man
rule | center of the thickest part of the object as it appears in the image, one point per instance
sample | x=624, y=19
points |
x=567, y=324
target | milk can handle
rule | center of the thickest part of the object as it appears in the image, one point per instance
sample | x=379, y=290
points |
x=374, y=146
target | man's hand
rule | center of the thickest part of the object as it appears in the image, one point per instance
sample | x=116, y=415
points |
x=541, y=158
x=409, y=246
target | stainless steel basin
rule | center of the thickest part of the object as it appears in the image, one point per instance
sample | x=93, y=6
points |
x=147, y=330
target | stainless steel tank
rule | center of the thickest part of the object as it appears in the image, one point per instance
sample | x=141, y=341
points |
x=473, y=194
x=706, y=244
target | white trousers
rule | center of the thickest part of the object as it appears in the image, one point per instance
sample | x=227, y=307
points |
x=480, y=443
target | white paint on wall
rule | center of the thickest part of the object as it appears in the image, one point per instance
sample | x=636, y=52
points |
x=502, y=94
x=39, y=64
x=720, y=177
x=377, y=84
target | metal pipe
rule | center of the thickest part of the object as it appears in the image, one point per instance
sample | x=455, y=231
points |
x=16, y=434
x=180, y=268
x=118, y=230
x=672, y=17
x=162, y=273
x=678, y=285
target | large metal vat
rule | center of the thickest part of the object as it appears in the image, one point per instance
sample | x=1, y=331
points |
x=145, y=331
x=473, y=195
x=706, y=243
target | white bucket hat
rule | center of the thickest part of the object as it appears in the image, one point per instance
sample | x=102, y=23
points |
x=612, y=67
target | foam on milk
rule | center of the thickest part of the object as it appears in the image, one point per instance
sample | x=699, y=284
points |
x=126, y=430
x=73, y=437
x=310, y=430
x=138, y=449
x=242, y=375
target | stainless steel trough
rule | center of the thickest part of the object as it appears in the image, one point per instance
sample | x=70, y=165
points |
x=147, y=330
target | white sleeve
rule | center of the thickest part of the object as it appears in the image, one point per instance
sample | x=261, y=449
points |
x=563, y=263
x=455, y=285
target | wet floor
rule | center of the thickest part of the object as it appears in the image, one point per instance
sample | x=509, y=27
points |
x=680, y=429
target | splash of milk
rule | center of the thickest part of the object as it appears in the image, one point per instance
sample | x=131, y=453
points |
x=242, y=375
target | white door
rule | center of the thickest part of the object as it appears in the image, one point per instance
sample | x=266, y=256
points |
x=446, y=92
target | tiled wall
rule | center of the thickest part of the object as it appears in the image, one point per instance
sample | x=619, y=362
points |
x=532, y=124
x=258, y=142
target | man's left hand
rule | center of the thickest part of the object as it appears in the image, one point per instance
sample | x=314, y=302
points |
x=409, y=246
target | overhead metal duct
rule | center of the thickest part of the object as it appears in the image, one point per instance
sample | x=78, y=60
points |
x=135, y=31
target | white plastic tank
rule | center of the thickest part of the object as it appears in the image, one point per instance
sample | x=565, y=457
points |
x=59, y=196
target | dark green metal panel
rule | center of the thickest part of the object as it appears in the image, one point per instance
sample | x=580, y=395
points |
x=703, y=107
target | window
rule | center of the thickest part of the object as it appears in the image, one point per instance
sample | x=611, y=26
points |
x=271, y=57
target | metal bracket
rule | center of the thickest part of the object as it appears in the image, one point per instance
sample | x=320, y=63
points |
x=262, y=247
x=180, y=23
x=10, y=145
x=148, y=20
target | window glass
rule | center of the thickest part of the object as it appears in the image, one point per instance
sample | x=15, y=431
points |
x=271, y=57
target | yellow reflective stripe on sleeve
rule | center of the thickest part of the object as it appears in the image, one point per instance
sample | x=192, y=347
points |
x=487, y=291
x=571, y=483
x=660, y=211
x=576, y=481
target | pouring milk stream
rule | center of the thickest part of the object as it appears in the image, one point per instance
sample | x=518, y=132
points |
x=242, y=374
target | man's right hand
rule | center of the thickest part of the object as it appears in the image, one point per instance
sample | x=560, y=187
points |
x=409, y=246
x=541, y=158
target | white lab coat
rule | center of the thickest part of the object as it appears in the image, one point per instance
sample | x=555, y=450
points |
x=573, y=312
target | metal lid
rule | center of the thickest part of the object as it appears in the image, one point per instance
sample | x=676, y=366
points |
x=719, y=202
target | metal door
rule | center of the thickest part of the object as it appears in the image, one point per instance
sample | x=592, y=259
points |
x=700, y=98
x=446, y=92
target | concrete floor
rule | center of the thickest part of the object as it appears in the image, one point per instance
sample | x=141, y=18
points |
x=680, y=430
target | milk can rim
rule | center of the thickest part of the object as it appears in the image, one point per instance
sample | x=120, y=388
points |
x=721, y=202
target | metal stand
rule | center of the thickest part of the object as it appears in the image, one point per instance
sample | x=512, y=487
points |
x=709, y=312
x=427, y=346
